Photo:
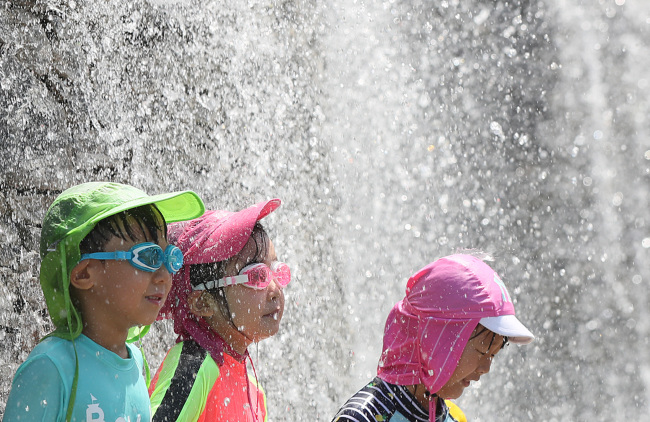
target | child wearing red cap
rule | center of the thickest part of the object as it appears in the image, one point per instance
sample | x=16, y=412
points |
x=227, y=295
x=456, y=316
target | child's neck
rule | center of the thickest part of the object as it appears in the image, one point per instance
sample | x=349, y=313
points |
x=115, y=342
x=238, y=341
x=420, y=393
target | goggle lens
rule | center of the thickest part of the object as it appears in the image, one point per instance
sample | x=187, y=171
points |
x=260, y=276
x=149, y=257
x=282, y=273
x=174, y=260
x=257, y=277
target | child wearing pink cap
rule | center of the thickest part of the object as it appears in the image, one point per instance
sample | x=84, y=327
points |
x=456, y=316
x=227, y=295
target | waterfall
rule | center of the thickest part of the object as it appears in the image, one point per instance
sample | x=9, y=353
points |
x=394, y=132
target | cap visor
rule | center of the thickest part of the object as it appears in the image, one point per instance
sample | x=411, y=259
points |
x=268, y=208
x=174, y=206
x=508, y=326
x=179, y=206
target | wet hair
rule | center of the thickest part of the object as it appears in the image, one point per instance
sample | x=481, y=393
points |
x=127, y=225
x=201, y=273
x=480, y=329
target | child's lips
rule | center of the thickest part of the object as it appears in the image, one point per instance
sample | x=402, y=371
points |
x=155, y=298
x=468, y=381
x=273, y=314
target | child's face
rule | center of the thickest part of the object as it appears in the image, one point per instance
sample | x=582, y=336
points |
x=474, y=362
x=256, y=313
x=123, y=296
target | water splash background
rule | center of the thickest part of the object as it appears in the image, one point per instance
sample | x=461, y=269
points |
x=395, y=132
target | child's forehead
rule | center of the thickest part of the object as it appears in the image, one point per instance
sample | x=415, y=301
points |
x=484, y=335
x=490, y=339
x=131, y=227
x=258, y=248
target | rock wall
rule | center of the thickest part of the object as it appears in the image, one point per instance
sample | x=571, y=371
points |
x=218, y=97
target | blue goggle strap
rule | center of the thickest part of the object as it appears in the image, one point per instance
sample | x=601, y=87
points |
x=118, y=255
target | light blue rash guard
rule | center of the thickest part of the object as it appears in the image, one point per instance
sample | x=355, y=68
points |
x=109, y=388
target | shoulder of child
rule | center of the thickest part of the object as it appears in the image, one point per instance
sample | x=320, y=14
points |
x=195, y=373
x=39, y=390
x=455, y=411
x=59, y=352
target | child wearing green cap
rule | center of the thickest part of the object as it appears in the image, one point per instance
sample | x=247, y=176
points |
x=106, y=267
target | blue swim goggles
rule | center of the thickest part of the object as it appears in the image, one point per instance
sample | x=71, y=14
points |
x=145, y=256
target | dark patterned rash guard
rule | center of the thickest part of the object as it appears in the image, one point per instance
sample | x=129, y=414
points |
x=380, y=401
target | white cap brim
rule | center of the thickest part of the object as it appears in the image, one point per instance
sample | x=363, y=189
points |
x=508, y=326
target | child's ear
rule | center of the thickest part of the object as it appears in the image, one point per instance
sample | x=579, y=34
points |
x=200, y=304
x=80, y=276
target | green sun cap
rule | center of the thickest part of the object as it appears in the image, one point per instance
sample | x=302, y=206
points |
x=72, y=215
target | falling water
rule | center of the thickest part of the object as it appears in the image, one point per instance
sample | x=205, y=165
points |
x=395, y=132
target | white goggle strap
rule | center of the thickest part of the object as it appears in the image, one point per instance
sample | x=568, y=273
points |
x=222, y=282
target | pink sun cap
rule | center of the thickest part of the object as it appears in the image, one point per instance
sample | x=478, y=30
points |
x=426, y=332
x=218, y=235
x=215, y=236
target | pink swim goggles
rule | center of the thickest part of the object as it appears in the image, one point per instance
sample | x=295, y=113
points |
x=256, y=276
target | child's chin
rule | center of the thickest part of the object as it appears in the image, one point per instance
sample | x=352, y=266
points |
x=149, y=320
x=267, y=334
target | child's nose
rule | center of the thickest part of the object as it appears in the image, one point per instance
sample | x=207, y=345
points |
x=484, y=365
x=274, y=289
x=162, y=275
